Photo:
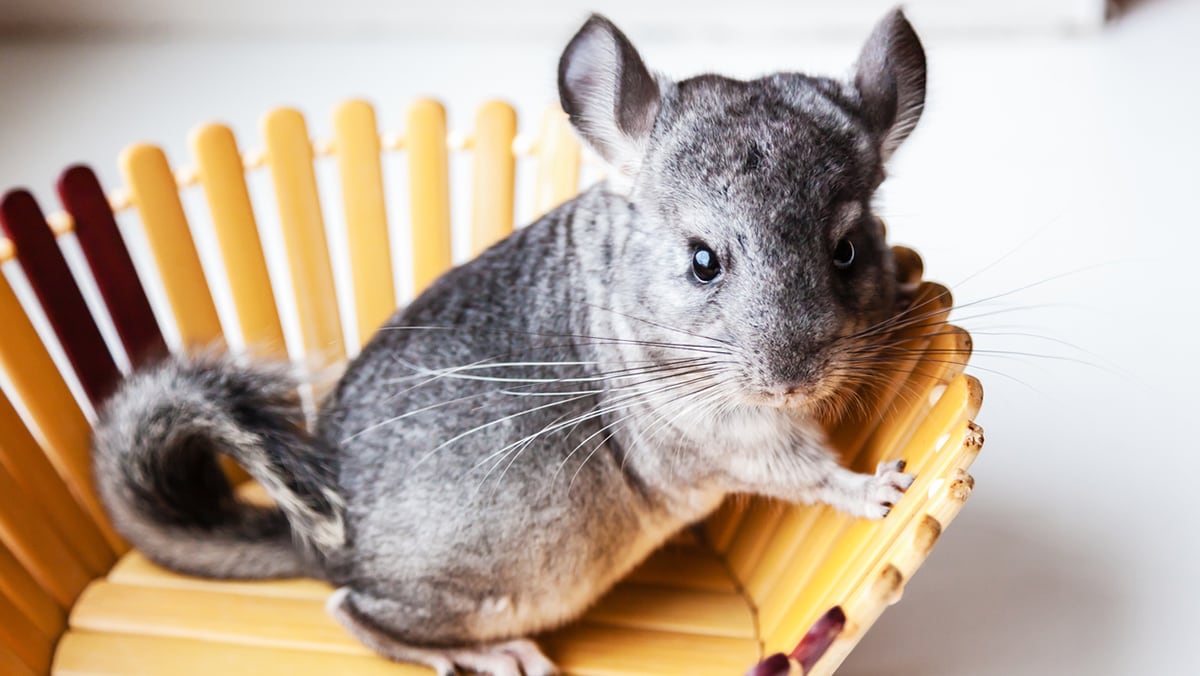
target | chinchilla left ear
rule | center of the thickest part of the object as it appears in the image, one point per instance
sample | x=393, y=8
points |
x=610, y=96
x=890, y=78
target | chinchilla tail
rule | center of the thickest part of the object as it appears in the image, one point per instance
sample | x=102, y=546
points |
x=155, y=453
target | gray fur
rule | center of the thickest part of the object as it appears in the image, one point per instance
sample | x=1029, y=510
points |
x=538, y=421
x=154, y=455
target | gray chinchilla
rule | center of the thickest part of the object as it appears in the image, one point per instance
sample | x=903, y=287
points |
x=539, y=420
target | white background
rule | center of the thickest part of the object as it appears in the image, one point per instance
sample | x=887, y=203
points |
x=1053, y=153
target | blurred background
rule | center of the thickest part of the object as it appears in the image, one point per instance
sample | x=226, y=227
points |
x=1050, y=183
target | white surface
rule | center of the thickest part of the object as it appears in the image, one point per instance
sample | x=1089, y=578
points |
x=1038, y=157
x=473, y=19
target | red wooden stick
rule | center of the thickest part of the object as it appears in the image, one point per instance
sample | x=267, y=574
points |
x=50, y=277
x=111, y=265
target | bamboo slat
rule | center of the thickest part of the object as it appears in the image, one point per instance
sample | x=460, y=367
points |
x=134, y=569
x=59, y=295
x=590, y=650
x=19, y=635
x=300, y=624
x=790, y=539
x=429, y=192
x=358, y=152
x=21, y=455
x=674, y=566
x=112, y=267
x=154, y=193
x=705, y=613
x=50, y=404
x=12, y=665
x=684, y=566
x=89, y=654
x=290, y=157
x=869, y=598
x=221, y=612
x=219, y=168
x=495, y=174
x=243, y=619
x=558, y=159
x=28, y=597
x=819, y=534
x=39, y=549
x=944, y=358
x=754, y=533
x=757, y=534
x=721, y=526
x=930, y=455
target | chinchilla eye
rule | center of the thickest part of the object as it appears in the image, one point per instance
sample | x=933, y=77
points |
x=843, y=254
x=705, y=265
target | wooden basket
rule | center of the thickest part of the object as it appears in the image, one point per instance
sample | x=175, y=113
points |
x=749, y=582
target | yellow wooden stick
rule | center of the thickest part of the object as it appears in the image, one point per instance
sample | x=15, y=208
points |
x=88, y=654
x=495, y=174
x=869, y=598
x=357, y=148
x=429, y=192
x=41, y=550
x=31, y=468
x=219, y=167
x=60, y=421
x=290, y=157
x=29, y=598
x=807, y=530
x=558, y=159
x=20, y=636
x=152, y=188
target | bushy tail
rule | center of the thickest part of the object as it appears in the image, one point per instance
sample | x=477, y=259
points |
x=155, y=453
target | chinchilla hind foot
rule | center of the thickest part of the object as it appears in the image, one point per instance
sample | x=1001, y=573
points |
x=515, y=657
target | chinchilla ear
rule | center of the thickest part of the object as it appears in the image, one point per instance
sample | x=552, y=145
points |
x=610, y=96
x=891, y=80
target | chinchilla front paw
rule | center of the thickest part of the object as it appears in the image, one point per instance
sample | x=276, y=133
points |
x=885, y=488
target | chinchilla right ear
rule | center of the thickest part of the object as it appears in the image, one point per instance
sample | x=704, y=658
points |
x=610, y=96
x=890, y=78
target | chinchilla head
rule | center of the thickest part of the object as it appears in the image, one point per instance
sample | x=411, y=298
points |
x=753, y=200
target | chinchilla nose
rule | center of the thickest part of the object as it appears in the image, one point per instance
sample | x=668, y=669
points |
x=794, y=368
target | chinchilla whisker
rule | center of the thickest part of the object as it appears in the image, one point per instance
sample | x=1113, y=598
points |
x=491, y=423
x=453, y=372
x=620, y=403
x=587, y=379
x=661, y=325
x=607, y=426
x=617, y=403
x=605, y=440
x=882, y=365
x=705, y=398
x=668, y=373
x=594, y=340
x=665, y=367
x=928, y=320
x=513, y=393
x=599, y=446
x=662, y=423
x=408, y=414
x=517, y=448
x=661, y=412
x=886, y=350
x=903, y=316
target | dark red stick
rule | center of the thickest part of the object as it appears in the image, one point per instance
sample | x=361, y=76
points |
x=50, y=277
x=111, y=265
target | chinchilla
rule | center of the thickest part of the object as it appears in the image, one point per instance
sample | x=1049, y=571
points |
x=540, y=419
